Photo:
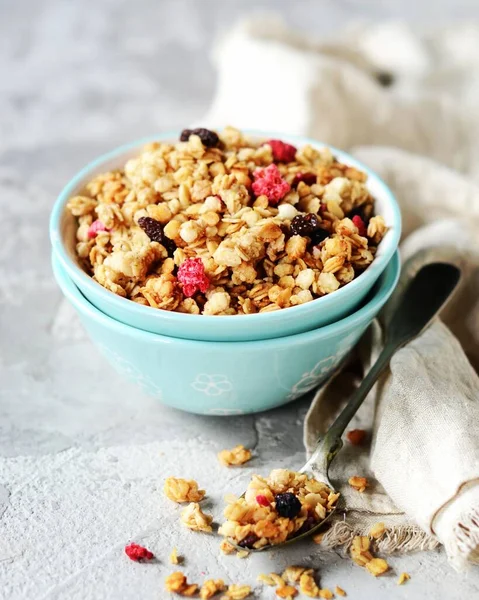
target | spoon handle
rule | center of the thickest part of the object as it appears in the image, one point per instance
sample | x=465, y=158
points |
x=424, y=297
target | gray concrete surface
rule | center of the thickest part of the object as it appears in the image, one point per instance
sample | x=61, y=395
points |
x=82, y=454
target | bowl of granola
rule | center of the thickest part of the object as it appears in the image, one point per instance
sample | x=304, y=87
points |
x=169, y=234
x=226, y=378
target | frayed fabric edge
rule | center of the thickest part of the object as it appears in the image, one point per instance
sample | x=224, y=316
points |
x=397, y=538
x=462, y=547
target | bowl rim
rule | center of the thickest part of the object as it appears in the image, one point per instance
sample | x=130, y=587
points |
x=381, y=292
x=390, y=244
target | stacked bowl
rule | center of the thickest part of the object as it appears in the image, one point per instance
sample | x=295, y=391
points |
x=225, y=365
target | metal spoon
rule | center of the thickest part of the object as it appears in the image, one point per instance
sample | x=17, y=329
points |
x=423, y=298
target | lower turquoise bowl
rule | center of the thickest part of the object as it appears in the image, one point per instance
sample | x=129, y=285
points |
x=227, y=378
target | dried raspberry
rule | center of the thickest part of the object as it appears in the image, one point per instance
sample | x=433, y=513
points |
x=308, y=178
x=138, y=553
x=191, y=274
x=282, y=152
x=95, y=228
x=154, y=230
x=360, y=224
x=262, y=500
x=269, y=182
x=249, y=540
x=208, y=138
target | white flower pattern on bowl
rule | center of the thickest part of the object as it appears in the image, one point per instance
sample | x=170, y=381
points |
x=322, y=369
x=132, y=373
x=212, y=385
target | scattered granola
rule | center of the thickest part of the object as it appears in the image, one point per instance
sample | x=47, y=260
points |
x=242, y=554
x=295, y=504
x=358, y=483
x=177, y=583
x=272, y=225
x=211, y=587
x=286, y=591
x=227, y=548
x=326, y=593
x=194, y=518
x=237, y=592
x=339, y=591
x=236, y=456
x=308, y=585
x=377, y=566
x=174, y=558
x=377, y=530
x=360, y=553
x=356, y=436
x=183, y=490
x=138, y=553
x=403, y=578
x=318, y=538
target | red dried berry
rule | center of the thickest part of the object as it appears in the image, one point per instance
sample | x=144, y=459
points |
x=307, y=178
x=95, y=228
x=138, y=553
x=192, y=276
x=262, y=500
x=249, y=540
x=356, y=436
x=282, y=152
x=360, y=224
x=268, y=182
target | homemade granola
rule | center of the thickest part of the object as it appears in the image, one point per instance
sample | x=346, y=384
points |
x=234, y=457
x=194, y=518
x=220, y=224
x=276, y=508
x=183, y=490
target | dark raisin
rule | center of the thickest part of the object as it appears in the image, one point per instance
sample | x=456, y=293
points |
x=307, y=525
x=249, y=540
x=287, y=505
x=305, y=224
x=318, y=236
x=308, y=178
x=185, y=135
x=154, y=230
x=208, y=138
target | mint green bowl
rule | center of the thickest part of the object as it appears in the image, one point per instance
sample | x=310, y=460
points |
x=226, y=378
x=288, y=321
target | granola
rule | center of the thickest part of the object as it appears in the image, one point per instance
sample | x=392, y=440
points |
x=194, y=518
x=236, y=456
x=276, y=508
x=272, y=226
x=183, y=490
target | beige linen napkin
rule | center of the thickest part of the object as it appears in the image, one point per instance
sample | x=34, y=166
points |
x=423, y=418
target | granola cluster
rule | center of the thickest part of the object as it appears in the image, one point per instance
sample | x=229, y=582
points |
x=276, y=508
x=220, y=224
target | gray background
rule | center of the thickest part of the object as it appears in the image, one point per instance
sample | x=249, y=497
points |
x=78, y=78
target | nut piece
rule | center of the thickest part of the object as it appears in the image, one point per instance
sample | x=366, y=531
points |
x=236, y=456
x=242, y=554
x=286, y=591
x=183, y=490
x=176, y=582
x=377, y=566
x=227, y=548
x=174, y=558
x=211, y=587
x=194, y=518
x=293, y=574
x=237, y=592
x=358, y=483
x=377, y=530
x=307, y=584
x=403, y=578
x=339, y=591
x=356, y=436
